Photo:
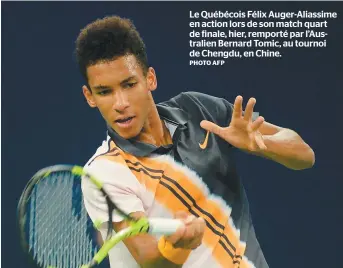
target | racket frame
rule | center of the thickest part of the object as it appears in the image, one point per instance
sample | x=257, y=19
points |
x=135, y=225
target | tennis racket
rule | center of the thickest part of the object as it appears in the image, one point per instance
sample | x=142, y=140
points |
x=55, y=229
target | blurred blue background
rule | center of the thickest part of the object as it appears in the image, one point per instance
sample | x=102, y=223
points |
x=298, y=215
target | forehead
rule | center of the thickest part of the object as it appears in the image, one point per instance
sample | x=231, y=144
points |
x=114, y=71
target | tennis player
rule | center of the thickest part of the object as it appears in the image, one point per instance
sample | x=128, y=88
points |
x=175, y=158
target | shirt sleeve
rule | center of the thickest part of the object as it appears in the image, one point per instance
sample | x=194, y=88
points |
x=119, y=183
x=219, y=108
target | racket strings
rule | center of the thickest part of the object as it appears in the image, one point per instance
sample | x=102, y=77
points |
x=61, y=234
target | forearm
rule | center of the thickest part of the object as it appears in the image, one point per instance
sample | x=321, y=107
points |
x=152, y=253
x=147, y=254
x=288, y=148
x=152, y=258
x=164, y=254
x=159, y=261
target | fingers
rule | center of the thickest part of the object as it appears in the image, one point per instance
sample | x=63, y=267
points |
x=196, y=233
x=209, y=126
x=237, y=114
x=194, y=229
x=249, y=109
x=260, y=142
x=258, y=137
x=177, y=236
x=237, y=107
x=193, y=235
x=187, y=220
x=257, y=123
x=182, y=215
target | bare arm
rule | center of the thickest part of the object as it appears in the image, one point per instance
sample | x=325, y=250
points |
x=144, y=248
x=286, y=147
x=260, y=138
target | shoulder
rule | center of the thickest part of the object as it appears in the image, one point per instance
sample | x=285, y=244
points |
x=107, y=150
x=104, y=148
x=198, y=98
x=212, y=108
x=114, y=173
x=203, y=101
x=109, y=162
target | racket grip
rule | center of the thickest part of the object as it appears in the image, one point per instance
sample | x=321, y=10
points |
x=162, y=226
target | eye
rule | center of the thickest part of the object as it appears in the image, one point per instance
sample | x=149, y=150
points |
x=130, y=85
x=104, y=92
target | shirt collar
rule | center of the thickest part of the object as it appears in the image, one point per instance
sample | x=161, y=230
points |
x=172, y=114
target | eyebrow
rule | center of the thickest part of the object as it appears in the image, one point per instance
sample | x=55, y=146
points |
x=127, y=80
x=102, y=87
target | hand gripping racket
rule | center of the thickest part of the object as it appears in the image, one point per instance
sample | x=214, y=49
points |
x=55, y=229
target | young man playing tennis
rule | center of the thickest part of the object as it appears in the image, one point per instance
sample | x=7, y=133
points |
x=174, y=159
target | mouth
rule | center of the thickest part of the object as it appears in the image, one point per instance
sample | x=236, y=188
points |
x=124, y=122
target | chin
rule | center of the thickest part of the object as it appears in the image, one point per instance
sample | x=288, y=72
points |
x=128, y=134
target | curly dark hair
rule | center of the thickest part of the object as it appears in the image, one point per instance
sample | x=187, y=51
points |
x=107, y=39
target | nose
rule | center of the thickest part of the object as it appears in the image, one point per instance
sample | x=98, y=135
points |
x=121, y=101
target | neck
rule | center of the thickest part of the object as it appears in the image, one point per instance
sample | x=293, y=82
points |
x=154, y=130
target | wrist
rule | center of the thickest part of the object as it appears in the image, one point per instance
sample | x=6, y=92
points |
x=169, y=252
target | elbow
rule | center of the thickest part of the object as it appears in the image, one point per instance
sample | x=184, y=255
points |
x=308, y=160
x=312, y=158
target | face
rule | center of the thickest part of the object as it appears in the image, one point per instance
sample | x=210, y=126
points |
x=122, y=94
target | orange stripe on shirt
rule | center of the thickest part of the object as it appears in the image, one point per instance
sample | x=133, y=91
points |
x=168, y=200
x=166, y=181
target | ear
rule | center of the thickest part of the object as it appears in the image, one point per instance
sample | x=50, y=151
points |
x=151, y=79
x=89, y=96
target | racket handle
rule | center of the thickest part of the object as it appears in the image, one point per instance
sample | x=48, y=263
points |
x=164, y=226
